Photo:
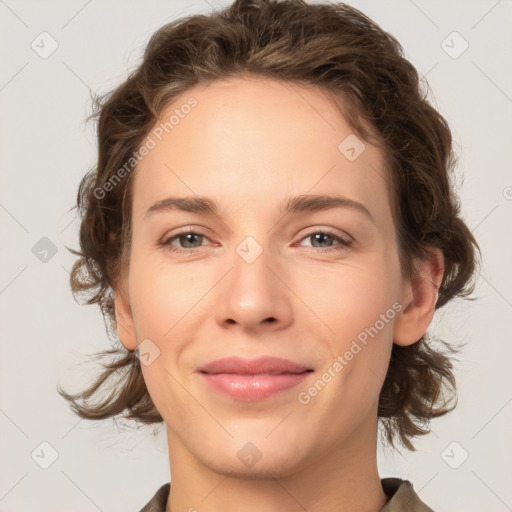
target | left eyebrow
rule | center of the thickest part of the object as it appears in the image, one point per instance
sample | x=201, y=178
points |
x=316, y=203
x=297, y=204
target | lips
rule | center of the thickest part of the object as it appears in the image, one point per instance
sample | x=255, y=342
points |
x=254, y=379
x=261, y=365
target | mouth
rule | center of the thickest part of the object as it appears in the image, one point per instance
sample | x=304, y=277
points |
x=255, y=379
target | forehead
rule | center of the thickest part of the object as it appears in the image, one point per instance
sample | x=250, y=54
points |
x=252, y=140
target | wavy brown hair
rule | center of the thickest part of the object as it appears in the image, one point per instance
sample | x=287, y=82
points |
x=339, y=50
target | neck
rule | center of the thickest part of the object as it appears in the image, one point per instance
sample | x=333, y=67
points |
x=340, y=480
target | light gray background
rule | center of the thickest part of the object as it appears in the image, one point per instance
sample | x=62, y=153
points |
x=46, y=148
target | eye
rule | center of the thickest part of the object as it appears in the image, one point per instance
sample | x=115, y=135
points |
x=190, y=240
x=324, y=237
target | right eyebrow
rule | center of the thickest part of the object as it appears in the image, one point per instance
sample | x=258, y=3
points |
x=186, y=204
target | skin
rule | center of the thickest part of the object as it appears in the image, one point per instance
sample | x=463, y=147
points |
x=250, y=144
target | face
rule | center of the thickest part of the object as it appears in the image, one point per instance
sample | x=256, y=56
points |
x=320, y=287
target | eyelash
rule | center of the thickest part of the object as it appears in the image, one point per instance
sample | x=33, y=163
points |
x=343, y=244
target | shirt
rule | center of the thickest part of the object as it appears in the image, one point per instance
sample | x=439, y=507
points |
x=402, y=498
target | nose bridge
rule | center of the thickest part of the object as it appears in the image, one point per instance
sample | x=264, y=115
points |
x=251, y=278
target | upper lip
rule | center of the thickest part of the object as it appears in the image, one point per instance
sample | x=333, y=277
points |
x=260, y=365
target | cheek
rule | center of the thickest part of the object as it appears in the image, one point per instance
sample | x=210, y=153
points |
x=163, y=300
x=352, y=297
x=358, y=304
x=161, y=295
x=170, y=398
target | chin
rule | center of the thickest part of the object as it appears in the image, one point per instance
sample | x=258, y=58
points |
x=276, y=466
x=254, y=455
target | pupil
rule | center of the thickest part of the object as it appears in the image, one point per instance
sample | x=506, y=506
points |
x=319, y=236
x=187, y=240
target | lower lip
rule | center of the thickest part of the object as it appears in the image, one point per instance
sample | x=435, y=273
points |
x=253, y=387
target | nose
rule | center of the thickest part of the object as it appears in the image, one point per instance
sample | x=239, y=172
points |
x=254, y=296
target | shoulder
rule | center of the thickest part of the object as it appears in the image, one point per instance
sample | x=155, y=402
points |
x=402, y=496
x=159, y=501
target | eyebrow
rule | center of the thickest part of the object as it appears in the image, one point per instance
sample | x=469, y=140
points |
x=297, y=204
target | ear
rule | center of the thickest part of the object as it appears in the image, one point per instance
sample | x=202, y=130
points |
x=419, y=297
x=124, y=318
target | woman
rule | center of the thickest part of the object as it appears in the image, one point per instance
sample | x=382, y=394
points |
x=270, y=228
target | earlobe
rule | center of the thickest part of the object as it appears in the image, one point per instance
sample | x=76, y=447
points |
x=124, y=319
x=419, y=298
